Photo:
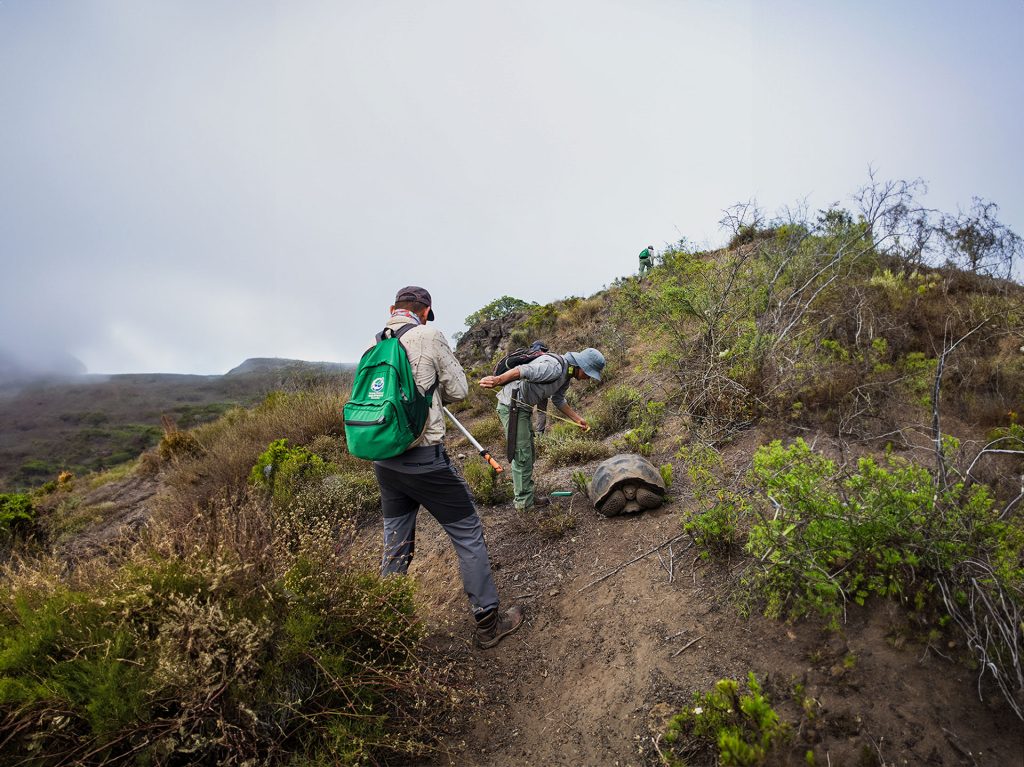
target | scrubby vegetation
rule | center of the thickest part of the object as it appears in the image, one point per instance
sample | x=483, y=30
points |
x=210, y=659
x=16, y=515
x=93, y=424
x=737, y=729
x=823, y=318
x=565, y=445
x=875, y=327
x=489, y=488
x=821, y=536
x=242, y=628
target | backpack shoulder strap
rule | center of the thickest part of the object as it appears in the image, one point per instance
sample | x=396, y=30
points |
x=389, y=332
x=392, y=333
x=405, y=329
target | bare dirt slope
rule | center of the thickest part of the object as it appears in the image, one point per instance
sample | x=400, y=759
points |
x=598, y=667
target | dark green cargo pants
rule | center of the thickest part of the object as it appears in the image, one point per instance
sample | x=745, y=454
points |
x=522, y=462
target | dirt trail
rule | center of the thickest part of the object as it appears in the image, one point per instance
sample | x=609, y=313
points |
x=591, y=677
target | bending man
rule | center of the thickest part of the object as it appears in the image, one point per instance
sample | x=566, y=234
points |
x=526, y=386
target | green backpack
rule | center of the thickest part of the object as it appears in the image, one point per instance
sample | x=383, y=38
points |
x=386, y=413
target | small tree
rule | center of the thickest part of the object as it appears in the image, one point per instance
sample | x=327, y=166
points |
x=978, y=241
x=498, y=308
x=899, y=225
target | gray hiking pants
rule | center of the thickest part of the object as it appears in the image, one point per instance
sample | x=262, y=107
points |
x=448, y=500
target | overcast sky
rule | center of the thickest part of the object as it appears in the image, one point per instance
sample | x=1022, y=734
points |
x=188, y=183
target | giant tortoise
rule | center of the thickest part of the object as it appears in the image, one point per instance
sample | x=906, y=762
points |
x=626, y=483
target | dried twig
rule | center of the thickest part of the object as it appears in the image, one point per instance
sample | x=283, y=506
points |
x=687, y=645
x=663, y=565
x=634, y=559
x=954, y=742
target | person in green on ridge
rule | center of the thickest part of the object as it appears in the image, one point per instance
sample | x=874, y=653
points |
x=646, y=260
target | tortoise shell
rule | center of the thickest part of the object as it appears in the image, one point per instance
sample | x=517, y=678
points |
x=626, y=482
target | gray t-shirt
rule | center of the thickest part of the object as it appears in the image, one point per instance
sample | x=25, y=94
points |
x=538, y=380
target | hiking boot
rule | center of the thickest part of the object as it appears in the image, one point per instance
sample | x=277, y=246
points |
x=496, y=624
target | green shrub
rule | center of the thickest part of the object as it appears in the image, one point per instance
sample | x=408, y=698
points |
x=646, y=417
x=16, y=515
x=739, y=729
x=538, y=318
x=1008, y=437
x=580, y=482
x=715, y=524
x=617, y=409
x=716, y=529
x=918, y=377
x=636, y=441
x=666, y=474
x=823, y=537
x=488, y=431
x=284, y=471
x=486, y=484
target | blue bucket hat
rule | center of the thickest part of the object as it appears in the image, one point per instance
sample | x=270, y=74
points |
x=590, y=360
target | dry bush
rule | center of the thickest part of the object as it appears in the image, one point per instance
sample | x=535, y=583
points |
x=571, y=450
x=241, y=523
x=580, y=313
x=486, y=431
x=201, y=658
x=489, y=488
x=479, y=400
x=232, y=444
x=178, y=445
x=149, y=464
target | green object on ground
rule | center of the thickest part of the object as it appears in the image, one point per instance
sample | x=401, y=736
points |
x=561, y=493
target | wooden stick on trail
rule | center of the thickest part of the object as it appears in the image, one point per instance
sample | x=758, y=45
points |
x=687, y=645
x=635, y=559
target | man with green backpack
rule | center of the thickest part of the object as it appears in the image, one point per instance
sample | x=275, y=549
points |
x=394, y=418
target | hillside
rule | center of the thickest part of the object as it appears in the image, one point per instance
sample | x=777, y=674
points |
x=840, y=425
x=86, y=422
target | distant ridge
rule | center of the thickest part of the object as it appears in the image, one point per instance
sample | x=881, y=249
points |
x=276, y=364
x=86, y=422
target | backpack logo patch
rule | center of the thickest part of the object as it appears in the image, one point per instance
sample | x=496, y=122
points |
x=376, y=388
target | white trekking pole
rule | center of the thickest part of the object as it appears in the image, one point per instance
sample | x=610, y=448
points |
x=486, y=456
